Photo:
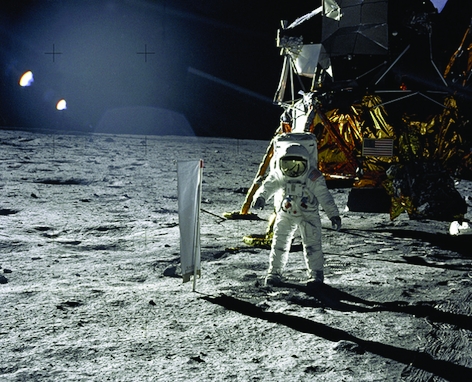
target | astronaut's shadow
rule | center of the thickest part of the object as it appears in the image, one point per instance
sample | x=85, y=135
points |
x=326, y=296
x=445, y=369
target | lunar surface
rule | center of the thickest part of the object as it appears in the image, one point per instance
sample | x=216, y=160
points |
x=91, y=289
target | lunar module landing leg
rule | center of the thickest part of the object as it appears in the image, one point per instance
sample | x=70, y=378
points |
x=257, y=240
x=244, y=212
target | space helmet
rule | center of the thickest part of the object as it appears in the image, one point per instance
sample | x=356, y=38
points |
x=294, y=162
x=298, y=150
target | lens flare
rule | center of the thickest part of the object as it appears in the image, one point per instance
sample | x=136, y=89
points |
x=61, y=105
x=26, y=79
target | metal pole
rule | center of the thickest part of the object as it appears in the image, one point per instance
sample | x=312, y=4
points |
x=197, y=226
x=393, y=64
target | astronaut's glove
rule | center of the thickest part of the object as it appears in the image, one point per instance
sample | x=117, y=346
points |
x=259, y=203
x=336, y=222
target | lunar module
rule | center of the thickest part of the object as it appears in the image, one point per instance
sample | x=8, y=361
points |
x=362, y=77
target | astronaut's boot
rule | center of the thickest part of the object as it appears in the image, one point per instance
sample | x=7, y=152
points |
x=273, y=279
x=316, y=279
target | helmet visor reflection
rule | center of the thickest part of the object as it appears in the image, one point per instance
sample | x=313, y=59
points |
x=293, y=166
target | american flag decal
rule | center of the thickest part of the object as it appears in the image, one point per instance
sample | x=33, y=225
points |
x=315, y=174
x=377, y=147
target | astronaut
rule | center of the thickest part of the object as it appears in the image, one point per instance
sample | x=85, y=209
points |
x=298, y=188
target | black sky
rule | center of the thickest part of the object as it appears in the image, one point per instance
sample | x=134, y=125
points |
x=211, y=62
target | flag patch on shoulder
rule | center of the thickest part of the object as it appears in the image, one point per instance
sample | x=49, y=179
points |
x=315, y=174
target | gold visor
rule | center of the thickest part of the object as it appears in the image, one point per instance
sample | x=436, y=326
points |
x=293, y=166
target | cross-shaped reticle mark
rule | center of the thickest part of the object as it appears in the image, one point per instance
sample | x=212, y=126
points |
x=146, y=53
x=53, y=53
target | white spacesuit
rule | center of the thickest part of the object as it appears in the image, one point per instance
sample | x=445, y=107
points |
x=298, y=188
